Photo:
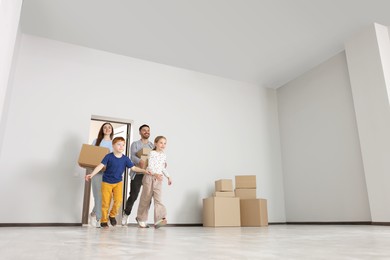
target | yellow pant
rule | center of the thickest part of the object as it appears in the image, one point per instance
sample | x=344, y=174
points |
x=109, y=189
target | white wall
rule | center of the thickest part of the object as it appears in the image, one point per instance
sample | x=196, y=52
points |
x=216, y=128
x=322, y=164
x=368, y=55
x=9, y=23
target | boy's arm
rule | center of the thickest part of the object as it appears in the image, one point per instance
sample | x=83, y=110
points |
x=139, y=170
x=95, y=171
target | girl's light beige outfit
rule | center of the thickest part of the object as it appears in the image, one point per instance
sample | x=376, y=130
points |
x=152, y=188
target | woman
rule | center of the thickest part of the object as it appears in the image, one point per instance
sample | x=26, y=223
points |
x=104, y=139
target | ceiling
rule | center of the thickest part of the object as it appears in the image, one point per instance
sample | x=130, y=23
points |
x=264, y=42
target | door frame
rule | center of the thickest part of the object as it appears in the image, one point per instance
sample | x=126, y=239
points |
x=87, y=185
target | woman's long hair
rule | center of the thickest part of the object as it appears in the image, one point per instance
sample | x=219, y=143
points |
x=101, y=134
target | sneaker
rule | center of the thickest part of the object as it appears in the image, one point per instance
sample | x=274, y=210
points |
x=112, y=221
x=104, y=225
x=142, y=224
x=160, y=223
x=124, y=219
x=92, y=216
x=97, y=223
x=93, y=222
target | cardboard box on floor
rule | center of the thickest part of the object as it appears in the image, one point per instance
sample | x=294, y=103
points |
x=143, y=151
x=245, y=193
x=221, y=212
x=229, y=194
x=245, y=181
x=224, y=185
x=253, y=212
x=91, y=155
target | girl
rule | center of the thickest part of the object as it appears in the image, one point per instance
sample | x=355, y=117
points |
x=103, y=139
x=152, y=185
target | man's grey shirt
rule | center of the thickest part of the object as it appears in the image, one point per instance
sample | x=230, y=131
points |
x=135, y=147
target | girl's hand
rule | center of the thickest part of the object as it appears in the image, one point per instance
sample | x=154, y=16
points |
x=169, y=181
x=88, y=177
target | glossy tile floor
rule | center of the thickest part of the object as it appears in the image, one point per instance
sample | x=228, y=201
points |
x=273, y=242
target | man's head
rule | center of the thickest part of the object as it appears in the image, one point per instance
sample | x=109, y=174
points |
x=144, y=131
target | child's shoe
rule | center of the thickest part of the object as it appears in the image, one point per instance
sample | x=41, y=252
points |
x=104, y=225
x=160, y=223
x=112, y=221
x=97, y=223
x=141, y=224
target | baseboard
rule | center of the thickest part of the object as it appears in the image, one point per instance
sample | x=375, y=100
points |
x=200, y=224
x=40, y=224
x=330, y=223
x=185, y=225
x=381, y=223
x=171, y=225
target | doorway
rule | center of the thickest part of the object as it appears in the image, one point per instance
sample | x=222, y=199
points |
x=121, y=128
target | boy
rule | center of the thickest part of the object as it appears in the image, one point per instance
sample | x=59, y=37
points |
x=112, y=183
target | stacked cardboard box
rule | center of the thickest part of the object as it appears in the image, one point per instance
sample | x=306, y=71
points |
x=224, y=188
x=253, y=211
x=223, y=209
x=245, y=186
x=143, y=154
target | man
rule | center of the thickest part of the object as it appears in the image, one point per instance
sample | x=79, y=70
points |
x=136, y=179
